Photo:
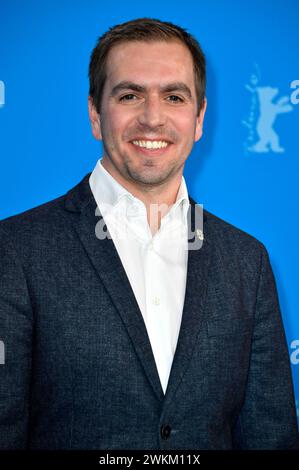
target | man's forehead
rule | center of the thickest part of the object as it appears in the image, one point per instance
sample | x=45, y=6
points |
x=130, y=44
x=140, y=68
x=120, y=51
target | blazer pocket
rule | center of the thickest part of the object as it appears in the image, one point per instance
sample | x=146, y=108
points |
x=221, y=327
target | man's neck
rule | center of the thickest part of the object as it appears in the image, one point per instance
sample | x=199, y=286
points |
x=158, y=199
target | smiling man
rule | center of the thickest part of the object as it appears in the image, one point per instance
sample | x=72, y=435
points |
x=149, y=121
x=148, y=115
x=119, y=331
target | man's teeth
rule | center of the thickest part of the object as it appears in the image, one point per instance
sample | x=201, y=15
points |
x=150, y=144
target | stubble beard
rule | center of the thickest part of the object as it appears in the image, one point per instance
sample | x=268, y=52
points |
x=149, y=175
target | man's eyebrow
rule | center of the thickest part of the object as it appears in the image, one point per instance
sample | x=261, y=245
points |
x=177, y=86
x=170, y=87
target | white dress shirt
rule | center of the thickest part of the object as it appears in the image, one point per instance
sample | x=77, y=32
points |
x=156, y=266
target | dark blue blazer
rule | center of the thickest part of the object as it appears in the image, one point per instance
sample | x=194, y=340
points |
x=79, y=372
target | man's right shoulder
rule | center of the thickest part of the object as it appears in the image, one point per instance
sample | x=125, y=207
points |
x=44, y=218
x=42, y=215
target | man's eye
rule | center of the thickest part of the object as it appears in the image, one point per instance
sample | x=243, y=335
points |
x=129, y=97
x=175, y=98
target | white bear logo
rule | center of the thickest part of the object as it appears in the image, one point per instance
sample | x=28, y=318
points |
x=269, y=110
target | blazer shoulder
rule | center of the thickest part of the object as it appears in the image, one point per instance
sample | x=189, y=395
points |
x=233, y=238
x=42, y=214
x=50, y=215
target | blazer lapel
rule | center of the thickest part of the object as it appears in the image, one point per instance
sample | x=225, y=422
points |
x=196, y=287
x=104, y=257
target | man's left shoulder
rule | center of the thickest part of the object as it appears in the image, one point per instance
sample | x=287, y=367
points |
x=230, y=238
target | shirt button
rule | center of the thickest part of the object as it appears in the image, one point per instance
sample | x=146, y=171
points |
x=165, y=431
x=156, y=301
x=151, y=246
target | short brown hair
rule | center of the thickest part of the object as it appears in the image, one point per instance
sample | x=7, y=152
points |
x=148, y=30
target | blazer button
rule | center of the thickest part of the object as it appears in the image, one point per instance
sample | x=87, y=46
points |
x=165, y=431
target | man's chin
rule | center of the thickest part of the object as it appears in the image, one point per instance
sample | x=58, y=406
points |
x=149, y=176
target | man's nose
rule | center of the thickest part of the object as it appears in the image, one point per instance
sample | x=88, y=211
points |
x=153, y=113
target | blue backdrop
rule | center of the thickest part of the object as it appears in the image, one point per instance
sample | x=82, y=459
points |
x=245, y=169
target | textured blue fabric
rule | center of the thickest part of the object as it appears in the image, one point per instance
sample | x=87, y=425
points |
x=79, y=371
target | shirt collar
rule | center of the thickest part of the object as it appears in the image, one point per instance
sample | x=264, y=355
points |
x=182, y=199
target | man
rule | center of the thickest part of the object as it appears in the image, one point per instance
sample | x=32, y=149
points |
x=116, y=336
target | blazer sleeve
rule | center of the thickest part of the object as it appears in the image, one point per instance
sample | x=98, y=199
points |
x=267, y=419
x=16, y=348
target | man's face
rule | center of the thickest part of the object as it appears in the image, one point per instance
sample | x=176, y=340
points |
x=148, y=118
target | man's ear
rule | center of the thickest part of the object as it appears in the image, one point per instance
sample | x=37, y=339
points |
x=94, y=118
x=199, y=121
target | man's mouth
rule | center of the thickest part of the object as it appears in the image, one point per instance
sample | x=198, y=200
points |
x=151, y=144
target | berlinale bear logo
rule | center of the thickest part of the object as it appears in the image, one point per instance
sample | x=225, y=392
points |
x=265, y=107
x=269, y=110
